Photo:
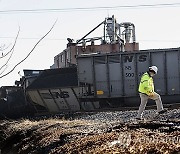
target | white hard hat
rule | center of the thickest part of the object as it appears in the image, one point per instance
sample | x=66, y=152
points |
x=154, y=68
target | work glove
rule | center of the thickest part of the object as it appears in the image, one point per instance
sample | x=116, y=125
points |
x=151, y=94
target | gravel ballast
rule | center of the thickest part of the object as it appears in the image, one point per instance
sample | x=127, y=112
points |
x=93, y=132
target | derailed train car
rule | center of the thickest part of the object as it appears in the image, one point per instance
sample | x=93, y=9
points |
x=113, y=78
x=56, y=91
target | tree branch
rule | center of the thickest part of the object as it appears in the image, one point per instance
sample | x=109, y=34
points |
x=3, y=47
x=12, y=50
x=30, y=51
x=12, y=46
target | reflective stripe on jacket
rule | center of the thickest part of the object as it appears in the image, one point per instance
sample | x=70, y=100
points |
x=146, y=85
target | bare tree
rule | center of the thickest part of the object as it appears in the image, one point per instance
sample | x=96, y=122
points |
x=4, y=67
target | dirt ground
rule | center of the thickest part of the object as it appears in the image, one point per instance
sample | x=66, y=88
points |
x=80, y=134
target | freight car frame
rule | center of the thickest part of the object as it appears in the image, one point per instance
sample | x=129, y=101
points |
x=113, y=78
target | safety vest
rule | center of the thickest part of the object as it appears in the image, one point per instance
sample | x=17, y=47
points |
x=146, y=85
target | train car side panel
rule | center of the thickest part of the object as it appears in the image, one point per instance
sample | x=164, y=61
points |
x=129, y=74
x=172, y=69
x=101, y=76
x=115, y=76
x=158, y=59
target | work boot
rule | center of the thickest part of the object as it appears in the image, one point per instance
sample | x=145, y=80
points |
x=162, y=111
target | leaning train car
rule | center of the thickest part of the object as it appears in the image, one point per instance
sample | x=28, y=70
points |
x=54, y=91
x=112, y=79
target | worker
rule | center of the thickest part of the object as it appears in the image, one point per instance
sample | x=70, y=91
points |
x=146, y=91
